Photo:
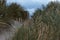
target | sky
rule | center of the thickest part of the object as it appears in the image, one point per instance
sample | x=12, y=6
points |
x=30, y=5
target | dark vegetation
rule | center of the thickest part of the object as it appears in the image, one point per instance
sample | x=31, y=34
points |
x=44, y=24
x=13, y=11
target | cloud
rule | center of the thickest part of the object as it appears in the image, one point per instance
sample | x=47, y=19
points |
x=30, y=5
x=31, y=11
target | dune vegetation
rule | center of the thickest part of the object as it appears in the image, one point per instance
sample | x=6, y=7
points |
x=43, y=25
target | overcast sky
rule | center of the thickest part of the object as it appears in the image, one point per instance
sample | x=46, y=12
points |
x=30, y=5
